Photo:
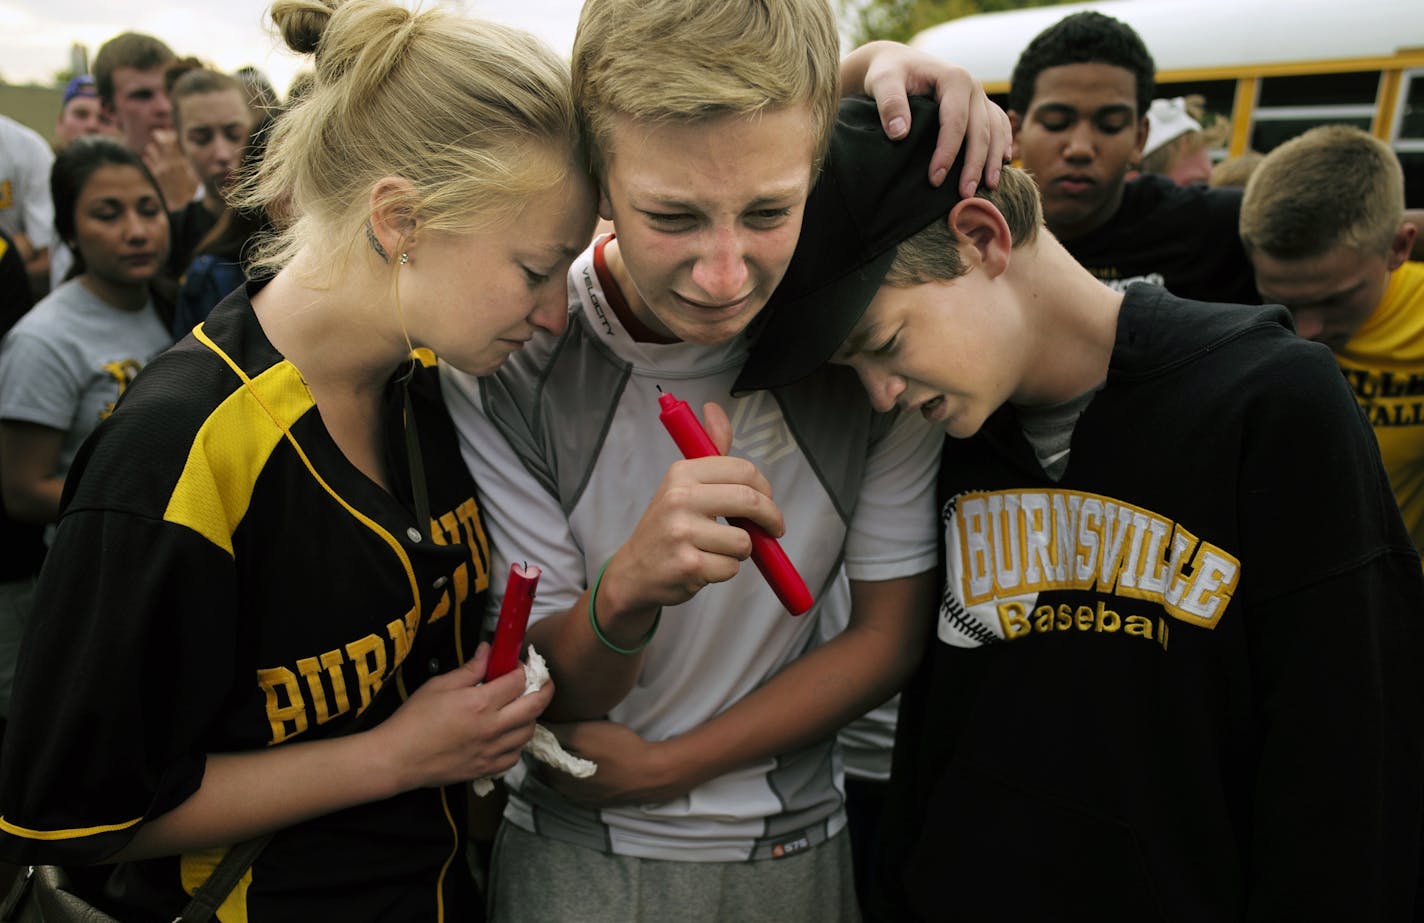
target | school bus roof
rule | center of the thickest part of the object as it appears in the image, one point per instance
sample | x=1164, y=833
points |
x=1205, y=39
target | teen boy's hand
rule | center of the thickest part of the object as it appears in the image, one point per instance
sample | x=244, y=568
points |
x=166, y=161
x=681, y=544
x=889, y=71
x=631, y=770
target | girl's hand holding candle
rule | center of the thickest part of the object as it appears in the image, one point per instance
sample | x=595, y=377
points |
x=513, y=619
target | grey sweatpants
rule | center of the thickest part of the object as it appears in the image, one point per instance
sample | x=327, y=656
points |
x=536, y=879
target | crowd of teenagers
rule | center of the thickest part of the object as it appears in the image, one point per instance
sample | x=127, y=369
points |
x=1105, y=474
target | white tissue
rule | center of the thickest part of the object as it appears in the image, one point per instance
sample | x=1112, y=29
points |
x=543, y=746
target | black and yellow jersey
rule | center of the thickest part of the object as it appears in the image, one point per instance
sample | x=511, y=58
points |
x=224, y=579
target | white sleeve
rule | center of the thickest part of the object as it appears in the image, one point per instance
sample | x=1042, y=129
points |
x=893, y=531
x=34, y=191
x=523, y=520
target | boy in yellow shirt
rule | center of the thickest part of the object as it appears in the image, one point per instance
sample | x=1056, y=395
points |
x=1323, y=223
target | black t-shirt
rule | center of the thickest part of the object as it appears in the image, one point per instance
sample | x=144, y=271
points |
x=23, y=541
x=1183, y=238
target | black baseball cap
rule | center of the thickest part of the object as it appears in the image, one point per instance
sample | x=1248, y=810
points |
x=872, y=194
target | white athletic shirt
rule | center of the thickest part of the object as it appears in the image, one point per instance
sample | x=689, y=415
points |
x=594, y=453
x=25, y=205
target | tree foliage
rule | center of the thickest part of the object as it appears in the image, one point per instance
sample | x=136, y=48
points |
x=898, y=20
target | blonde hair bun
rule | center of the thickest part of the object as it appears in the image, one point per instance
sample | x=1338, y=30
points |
x=302, y=22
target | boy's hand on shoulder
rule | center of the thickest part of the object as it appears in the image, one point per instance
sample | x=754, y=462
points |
x=890, y=72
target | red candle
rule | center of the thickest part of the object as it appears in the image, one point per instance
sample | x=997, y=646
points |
x=513, y=619
x=686, y=430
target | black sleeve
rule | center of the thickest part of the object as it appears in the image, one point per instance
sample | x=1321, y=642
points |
x=15, y=297
x=126, y=661
x=1336, y=612
x=1236, y=276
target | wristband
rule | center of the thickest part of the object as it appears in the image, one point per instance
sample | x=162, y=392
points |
x=598, y=632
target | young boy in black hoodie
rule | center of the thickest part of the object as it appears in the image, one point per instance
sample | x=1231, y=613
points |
x=1175, y=670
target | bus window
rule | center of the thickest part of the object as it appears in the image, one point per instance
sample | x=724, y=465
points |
x=1358, y=88
x=1287, y=106
x=1411, y=115
x=1273, y=129
x=1408, y=140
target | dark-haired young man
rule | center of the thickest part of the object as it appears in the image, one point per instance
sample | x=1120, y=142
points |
x=1078, y=103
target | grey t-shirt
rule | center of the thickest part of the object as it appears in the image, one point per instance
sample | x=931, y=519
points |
x=66, y=362
x=1049, y=429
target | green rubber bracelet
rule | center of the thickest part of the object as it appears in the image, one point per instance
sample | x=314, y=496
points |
x=598, y=632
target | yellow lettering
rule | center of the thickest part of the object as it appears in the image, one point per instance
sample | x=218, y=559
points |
x=310, y=670
x=1127, y=579
x=1084, y=617
x=278, y=683
x=402, y=632
x=1182, y=544
x=368, y=656
x=1039, y=569
x=1004, y=539
x=974, y=548
x=442, y=607
x=1085, y=564
x=1152, y=579
x=1013, y=543
x=1065, y=530
x=469, y=514
x=1138, y=625
x=449, y=531
x=1110, y=564
x=331, y=662
x=1214, y=576
x=1107, y=620
x=1013, y=618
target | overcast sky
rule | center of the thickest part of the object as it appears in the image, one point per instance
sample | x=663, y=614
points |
x=226, y=33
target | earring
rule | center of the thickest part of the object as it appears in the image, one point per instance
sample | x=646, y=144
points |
x=405, y=258
x=376, y=243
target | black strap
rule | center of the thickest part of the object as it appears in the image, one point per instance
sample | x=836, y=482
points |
x=416, y=464
x=209, y=897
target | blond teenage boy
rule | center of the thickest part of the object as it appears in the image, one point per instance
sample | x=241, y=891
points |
x=1323, y=224
x=718, y=792
x=1174, y=673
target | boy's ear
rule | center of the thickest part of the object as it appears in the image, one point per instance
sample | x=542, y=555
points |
x=1402, y=244
x=984, y=237
x=605, y=207
x=1141, y=140
x=392, y=215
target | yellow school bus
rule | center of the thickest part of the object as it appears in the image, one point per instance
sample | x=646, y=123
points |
x=1274, y=67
